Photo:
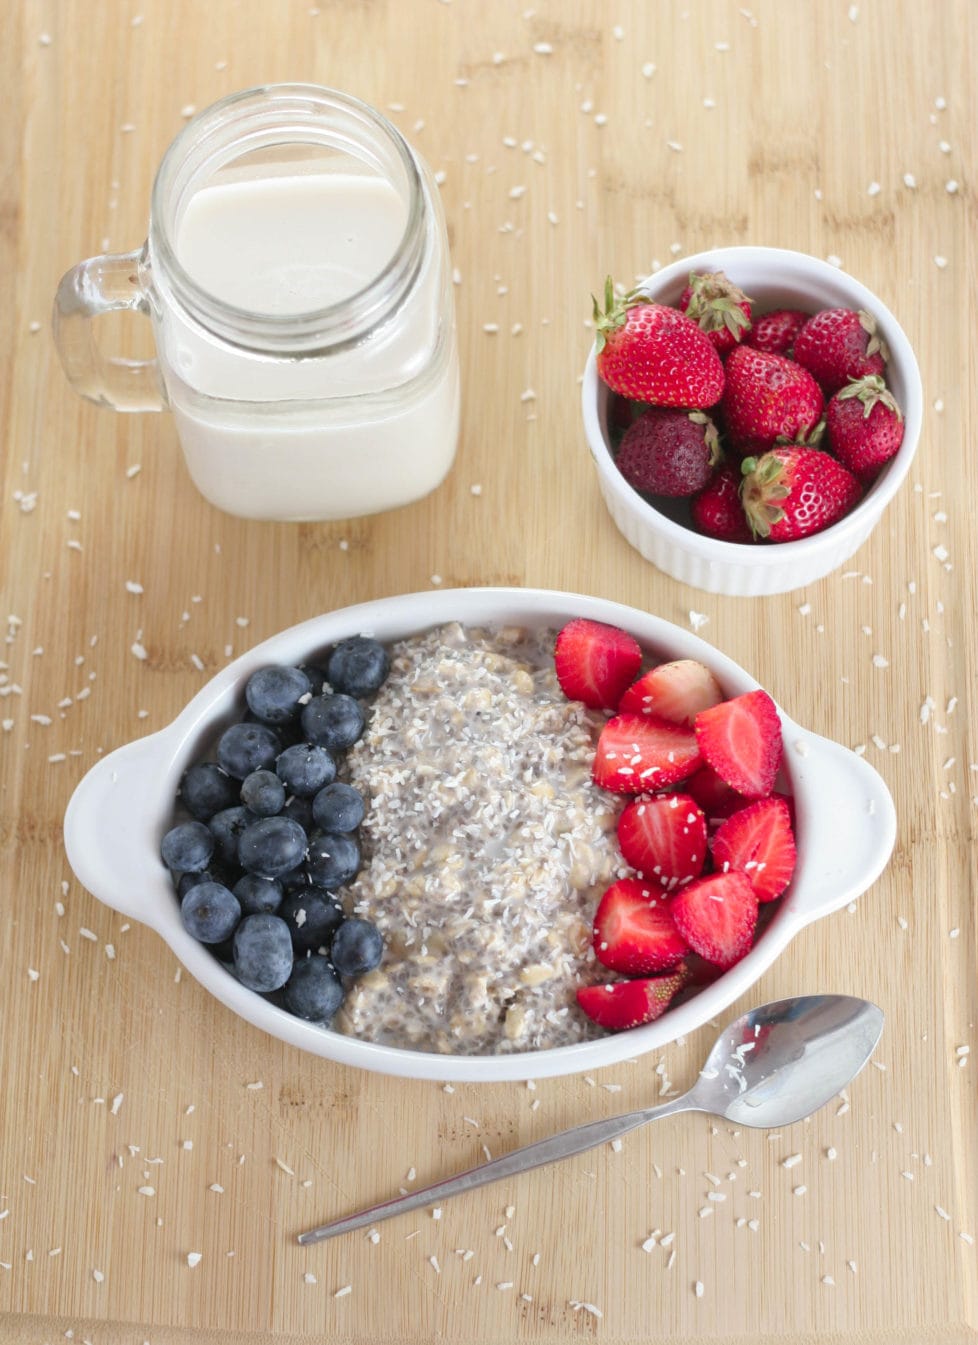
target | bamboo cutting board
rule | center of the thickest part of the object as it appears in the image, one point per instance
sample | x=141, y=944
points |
x=639, y=132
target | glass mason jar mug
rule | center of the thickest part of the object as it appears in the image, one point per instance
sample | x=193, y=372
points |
x=298, y=280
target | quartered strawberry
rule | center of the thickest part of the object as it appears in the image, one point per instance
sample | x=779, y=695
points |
x=717, y=799
x=595, y=662
x=741, y=740
x=636, y=753
x=627, y=1004
x=717, y=915
x=758, y=842
x=676, y=691
x=633, y=930
x=651, y=353
x=664, y=838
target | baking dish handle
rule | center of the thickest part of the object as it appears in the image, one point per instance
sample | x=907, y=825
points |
x=110, y=829
x=847, y=832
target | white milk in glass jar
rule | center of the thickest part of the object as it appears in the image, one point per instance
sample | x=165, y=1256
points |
x=298, y=279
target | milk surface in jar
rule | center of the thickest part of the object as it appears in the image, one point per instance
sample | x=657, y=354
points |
x=288, y=244
x=304, y=315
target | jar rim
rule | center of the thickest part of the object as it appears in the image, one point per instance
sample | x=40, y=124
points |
x=309, y=331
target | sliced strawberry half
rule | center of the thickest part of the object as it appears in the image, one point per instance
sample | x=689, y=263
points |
x=627, y=1004
x=642, y=752
x=595, y=662
x=664, y=838
x=713, y=795
x=676, y=691
x=633, y=930
x=716, y=916
x=741, y=740
x=758, y=842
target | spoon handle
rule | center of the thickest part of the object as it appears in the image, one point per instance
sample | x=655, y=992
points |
x=574, y=1141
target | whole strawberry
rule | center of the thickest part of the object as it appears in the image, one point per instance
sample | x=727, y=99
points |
x=717, y=510
x=794, y=491
x=838, y=344
x=775, y=332
x=669, y=452
x=717, y=306
x=651, y=353
x=864, y=425
x=767, y=398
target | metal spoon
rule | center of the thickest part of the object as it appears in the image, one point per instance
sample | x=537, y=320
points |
x=775, y=1065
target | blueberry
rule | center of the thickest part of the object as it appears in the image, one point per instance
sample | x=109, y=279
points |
x=311, y=915
x=313, y=990
x=317, y=677
x=226, y=828
x=187, y=847
x=271, y=846
x=262, y=952
x=335, y=722
x=205, y=789
x=188, y=880
x=212, y=874
x=263, y=792
x=304, y=769
x=296, y=880
x=256, y=895
x=338, y=807
x=244, y=748
x=273, y=694
x=333, y=859
x=300, y=810
x=358, y=666
x=210, y=912
x=357, y=947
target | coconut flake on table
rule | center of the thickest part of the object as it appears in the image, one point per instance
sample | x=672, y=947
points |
x=576, y=1305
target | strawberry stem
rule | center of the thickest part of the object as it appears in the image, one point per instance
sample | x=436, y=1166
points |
x=763, y=485
x=875, y=343
x=870, y=390
x=711, y=436
x=716, y=302
x=613, y=316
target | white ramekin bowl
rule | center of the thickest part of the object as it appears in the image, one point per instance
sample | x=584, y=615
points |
x=774, y=278
x=845, y=826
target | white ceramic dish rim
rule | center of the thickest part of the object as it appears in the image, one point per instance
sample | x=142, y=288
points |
x=116, y=817
x=665, y=286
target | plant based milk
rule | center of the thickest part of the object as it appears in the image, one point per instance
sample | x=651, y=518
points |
x=360, y=427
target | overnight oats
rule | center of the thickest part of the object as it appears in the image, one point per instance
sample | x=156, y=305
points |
x=480, y=841
x=485, y=845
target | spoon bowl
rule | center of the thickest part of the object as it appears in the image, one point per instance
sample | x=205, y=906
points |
x=783, y=1061
x=774, y=1065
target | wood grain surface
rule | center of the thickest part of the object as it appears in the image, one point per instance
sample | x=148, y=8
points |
x=765, y=124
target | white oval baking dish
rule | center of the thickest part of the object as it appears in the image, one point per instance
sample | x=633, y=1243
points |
x=845, y=827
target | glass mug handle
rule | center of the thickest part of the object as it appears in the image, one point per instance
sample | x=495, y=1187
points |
x=104, y=284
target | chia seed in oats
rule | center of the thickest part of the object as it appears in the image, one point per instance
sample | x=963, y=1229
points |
x=486, y=846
